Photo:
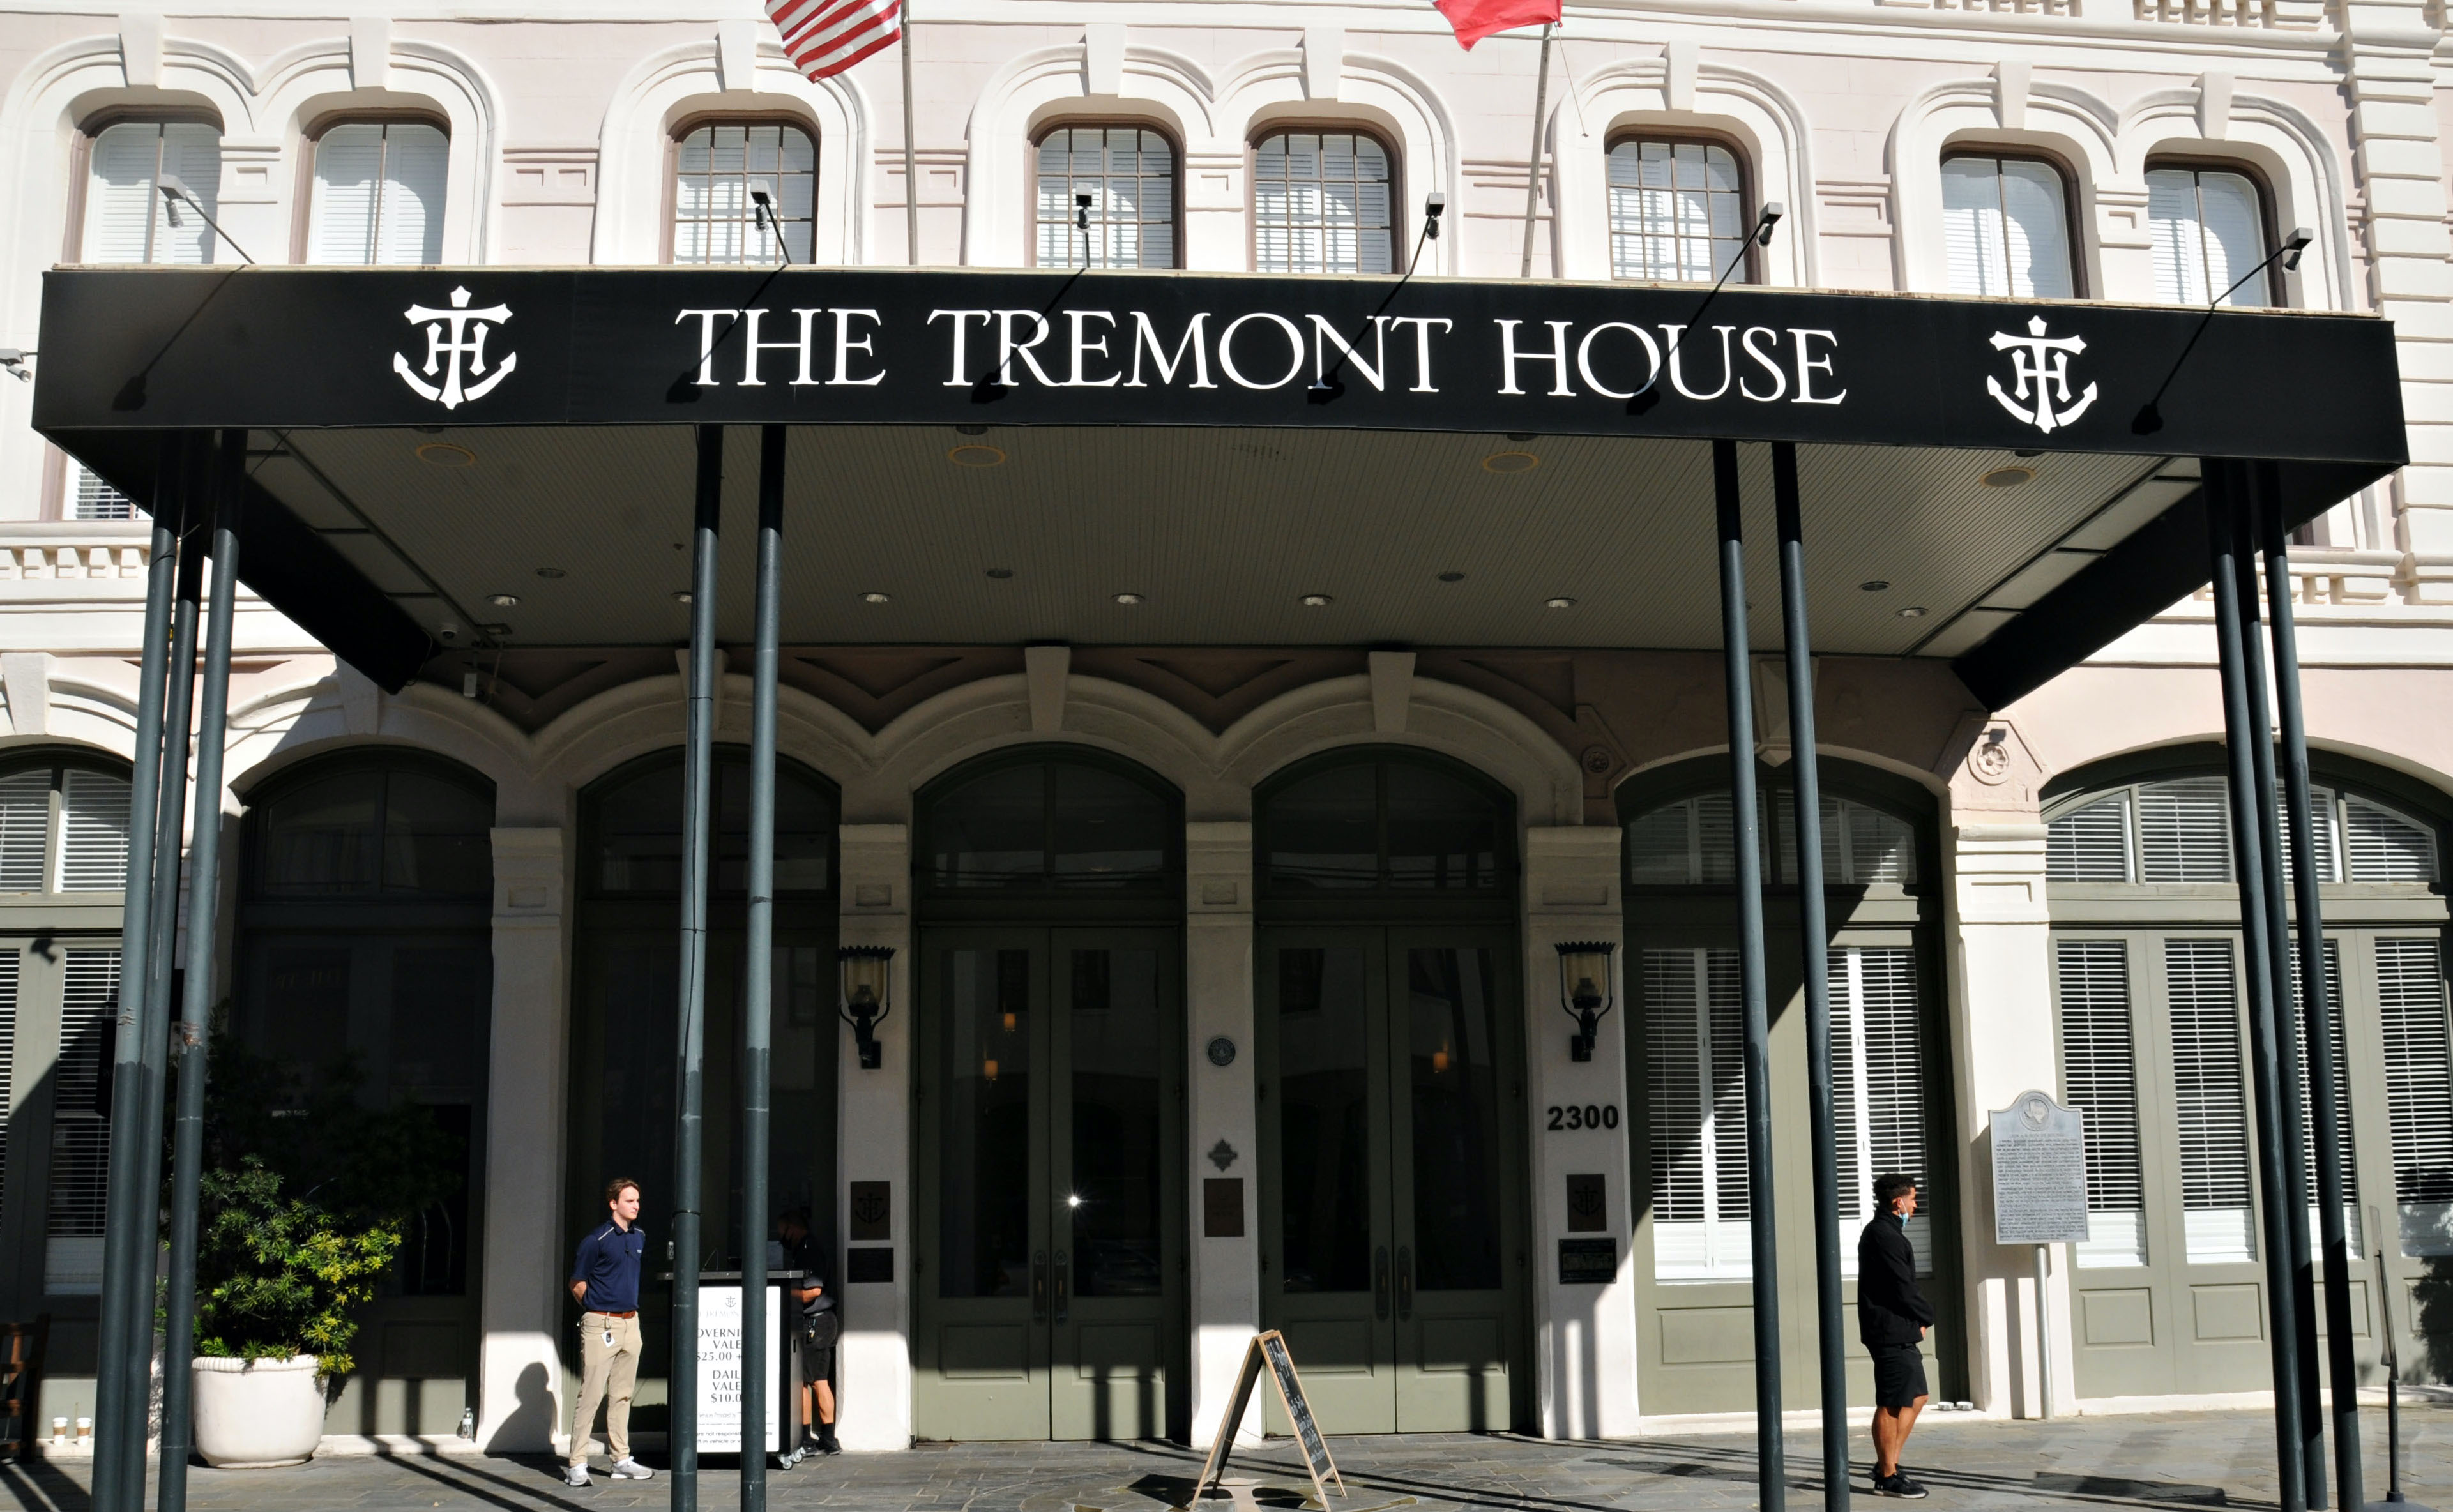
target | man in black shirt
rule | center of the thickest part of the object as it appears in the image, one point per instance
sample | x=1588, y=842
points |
x=816, y=1328
x=1892, y=1316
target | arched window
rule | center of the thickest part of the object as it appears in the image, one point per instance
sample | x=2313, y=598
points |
x=2209, y=226
x=375, y=829
x=2151, y=1003
x=1051, y=822
x=636, y=832
x=2006, y=227
x=1129, y=172
x=1677, y=210
x=127, y=219
x=379, y=193
x=1322, y=203
x=63, y=828
x=721, y=169
x=1390, y=823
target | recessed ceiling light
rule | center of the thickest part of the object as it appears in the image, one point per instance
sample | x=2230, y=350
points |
x=975, y=455
x=872, y=596
x=444, y=454
x=1510, y=462
x=1914, y=611
x=1128, y=600
x=1452, y=577
x=681, y=595
x=1873, y=585
x=504, y=601
x=552, y=572
x=1560, y=603
x=2010, y=477
x=1000, y=573
x=1315, y=600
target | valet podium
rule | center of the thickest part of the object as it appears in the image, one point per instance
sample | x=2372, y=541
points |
x=719, y=1363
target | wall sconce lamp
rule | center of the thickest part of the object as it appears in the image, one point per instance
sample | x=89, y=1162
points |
x=1584, y=990
x=867, y=976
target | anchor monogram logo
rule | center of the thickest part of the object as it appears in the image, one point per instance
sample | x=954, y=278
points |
x=2040, y=393
x=451, y=335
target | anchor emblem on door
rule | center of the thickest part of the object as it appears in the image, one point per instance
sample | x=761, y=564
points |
x=2040, y=389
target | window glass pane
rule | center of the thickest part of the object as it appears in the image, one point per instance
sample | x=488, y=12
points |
x=89, y=498
x=1695, y=1118
x=1118, y=1100
x=2179, y=239
x=25, y=829
x=1971, y=227
x=81, y=1124
x=984, y=1176
x=1442, y=832
x=193, y=154
x=2100, y=1078
x=1333, y=215
x=2184, y=831
x=2235, y=230
x=416, y=162
x=1877, y=1084
x=1110, y=830
x=435, y=838
x=1452, y=1041
x=2419, y=1090
x=2037, y=230
x=322, y=838
x=122, y=171
x=349, y=183
x=2090, y=844
x=93, y=832
x=2201, y=992
x=1675, y=209
x=638, y=830
x=992, y=831
x=8, y=963
x=1324, y=830
x=1130, y=174
x=717, y=172
x=1323, y=1119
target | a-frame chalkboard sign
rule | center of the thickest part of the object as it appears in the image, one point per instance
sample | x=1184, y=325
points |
x=1268, y=1352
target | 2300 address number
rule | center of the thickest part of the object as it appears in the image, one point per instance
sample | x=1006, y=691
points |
x=1588, y=1115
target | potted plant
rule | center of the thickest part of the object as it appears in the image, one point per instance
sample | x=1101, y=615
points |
x=306, y=1199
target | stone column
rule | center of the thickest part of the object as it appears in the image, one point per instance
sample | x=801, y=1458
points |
x=1223, y=1132
x=1585, y=1344
x=874, y=1114
x=520, y=1370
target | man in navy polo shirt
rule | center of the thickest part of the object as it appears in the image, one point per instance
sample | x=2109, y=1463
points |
x=605, y=1283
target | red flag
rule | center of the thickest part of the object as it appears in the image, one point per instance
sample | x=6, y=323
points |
x=1477, y=19
x=828, y=36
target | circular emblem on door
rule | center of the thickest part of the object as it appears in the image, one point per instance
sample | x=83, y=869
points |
x=1222, y=1051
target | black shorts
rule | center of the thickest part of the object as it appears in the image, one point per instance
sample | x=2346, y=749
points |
x=817, y=1362
x=1899, y=1375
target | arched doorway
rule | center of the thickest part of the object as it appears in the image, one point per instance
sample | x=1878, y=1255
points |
x=626, y=972
x=365, y=970
x=1049, y=1294
x=1390, y=1037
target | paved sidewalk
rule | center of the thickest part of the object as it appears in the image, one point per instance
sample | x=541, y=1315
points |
x=2161, y=1463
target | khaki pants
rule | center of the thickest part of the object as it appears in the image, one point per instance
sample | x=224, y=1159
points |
x=609, y=1372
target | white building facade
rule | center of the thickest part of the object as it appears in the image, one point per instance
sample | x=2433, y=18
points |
x=1277, y=889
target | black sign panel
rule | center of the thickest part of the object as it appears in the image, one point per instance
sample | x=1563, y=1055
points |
x=156, y=347
x=1588, y=1262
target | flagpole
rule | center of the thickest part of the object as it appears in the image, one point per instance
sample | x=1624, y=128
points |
x=911, y=155
x=1533, y=159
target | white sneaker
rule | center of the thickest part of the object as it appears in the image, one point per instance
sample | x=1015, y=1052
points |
x=631, y=1470
x=574, y=1475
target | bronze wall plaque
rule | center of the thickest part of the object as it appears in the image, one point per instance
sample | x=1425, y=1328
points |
x=1587, y=1204
x=872, y=1211
x=1588, y=1262
x=1222, y=1207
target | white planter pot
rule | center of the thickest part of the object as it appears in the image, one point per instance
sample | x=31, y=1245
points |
x=253, y=1414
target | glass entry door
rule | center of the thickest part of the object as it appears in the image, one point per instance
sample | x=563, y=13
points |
x=1049, y=1284
x=1391, y=1160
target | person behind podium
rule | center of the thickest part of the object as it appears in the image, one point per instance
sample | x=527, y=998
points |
x=1892, y=1316
x=605, y=1283
x=819, y=1327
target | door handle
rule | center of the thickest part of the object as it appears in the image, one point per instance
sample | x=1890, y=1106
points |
x=1380, y=1284
x=1039, y=1286
x=1064, y=1285
x=1404, y=1281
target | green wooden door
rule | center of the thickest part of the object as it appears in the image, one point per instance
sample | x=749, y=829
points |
x=1050, y=1289
x=1392, y=1127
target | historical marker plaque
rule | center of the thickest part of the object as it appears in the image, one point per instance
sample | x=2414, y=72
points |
x=2039, y=1172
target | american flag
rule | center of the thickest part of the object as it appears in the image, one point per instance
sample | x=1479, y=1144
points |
x=828, y=36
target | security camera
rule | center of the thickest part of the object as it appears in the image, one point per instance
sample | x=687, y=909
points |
x=447, y=632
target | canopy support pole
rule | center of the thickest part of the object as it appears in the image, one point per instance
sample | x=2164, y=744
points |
x=2241, y=736
x=196, y=1030
x=2316, y=1001
x=122, y=1396
x=758, y=976
x=689, y=1038
x=1814, y=943
x=1771, y=1447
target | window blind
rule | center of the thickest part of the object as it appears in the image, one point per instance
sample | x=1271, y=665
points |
x=715, y=168
x=24, y=831
x=81, y=1124
x=2322, y=828
x=9, y=961
x=2209, y=230
x=1130, y=174
x=93, y=832
x=1695, y=1039
x=2005, y=231
x=2184, y=831
x=2347, y=1166
x=2384, y=846
x=92, y=499
x=1676, y=211
x=1320, y=204
x=127, y=219
x=2419, y=1090
x=1876, y=1083
x=379, y=194
x=2100, y=1078
x=2201, y=992
x=2090, y=844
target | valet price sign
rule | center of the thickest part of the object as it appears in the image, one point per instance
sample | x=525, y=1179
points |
x=472, y=346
